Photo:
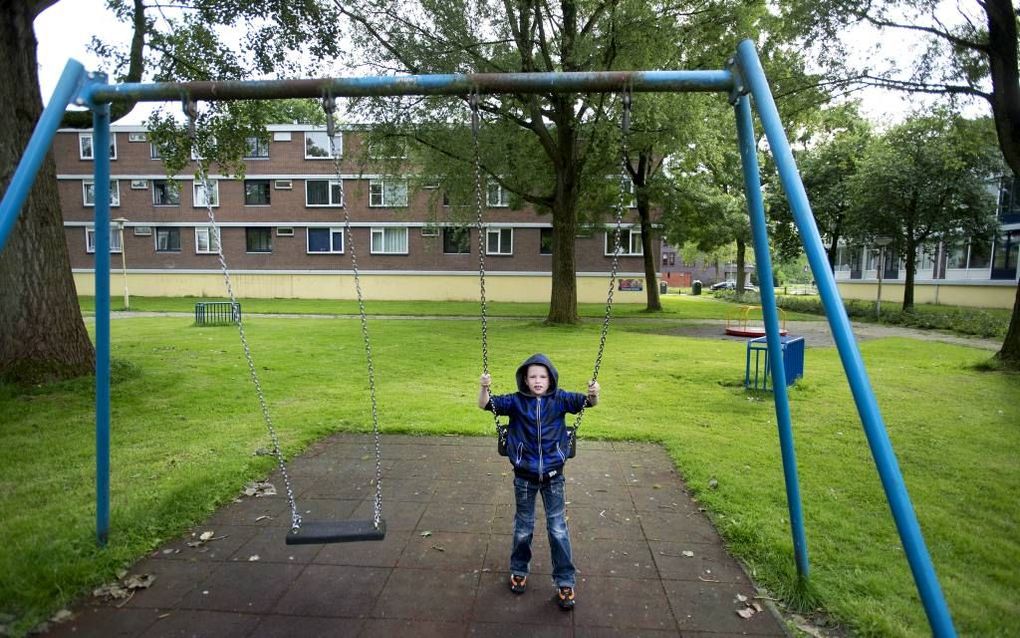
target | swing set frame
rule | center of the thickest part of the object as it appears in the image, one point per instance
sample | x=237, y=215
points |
x=742, y=79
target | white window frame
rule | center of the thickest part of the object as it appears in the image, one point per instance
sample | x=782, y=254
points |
x=627, y=241
x=137, y=136
x=91, y=155
x=381, y=232
x=338, y=144
x=498, y=234
x=90, y=240
x=170, y=184
x=198, y=193
x=167, y=230
x=333, y=231
x=382, y=191
x=257, y=143
x=502, y=196
x=331, y=183
x=88, y=186
x=211, y=235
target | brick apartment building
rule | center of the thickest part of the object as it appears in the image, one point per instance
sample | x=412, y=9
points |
x=282, y=233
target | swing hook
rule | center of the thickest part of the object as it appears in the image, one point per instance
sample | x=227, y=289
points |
x=474, y=99
x=329, y=106
x=190, y=107
x=626, y=109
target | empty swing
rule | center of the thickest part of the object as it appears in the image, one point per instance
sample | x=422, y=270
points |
x=306, y=532
x=501, y=428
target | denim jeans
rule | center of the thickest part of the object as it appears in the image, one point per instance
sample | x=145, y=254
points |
x=554, y=501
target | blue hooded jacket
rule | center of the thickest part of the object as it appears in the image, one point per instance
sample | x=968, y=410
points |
x=537, y=436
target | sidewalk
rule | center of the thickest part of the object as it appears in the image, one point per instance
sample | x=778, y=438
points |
x=649, y=563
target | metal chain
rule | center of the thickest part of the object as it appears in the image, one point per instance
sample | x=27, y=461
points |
x=480, y=225
x=329, y=105
x=617, y=232
x=191, y=109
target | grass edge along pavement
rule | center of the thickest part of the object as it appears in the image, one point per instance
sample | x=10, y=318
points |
x=174, y=461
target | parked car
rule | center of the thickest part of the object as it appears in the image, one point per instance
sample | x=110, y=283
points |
x=729, y=284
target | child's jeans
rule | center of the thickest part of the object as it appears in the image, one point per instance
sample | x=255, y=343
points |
x=554, y=501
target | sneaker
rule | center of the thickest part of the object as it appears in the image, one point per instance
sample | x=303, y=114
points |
x=518, y=583
x=565, y=598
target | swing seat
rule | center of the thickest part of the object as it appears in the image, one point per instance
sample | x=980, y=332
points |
x=317, y=532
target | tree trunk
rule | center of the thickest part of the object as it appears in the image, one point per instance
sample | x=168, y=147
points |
x=645, y=214
x=910, y=265
x=1002, y=66
x=1009, y=355
x=42, y=334
x=563, y=298
x=739, y=277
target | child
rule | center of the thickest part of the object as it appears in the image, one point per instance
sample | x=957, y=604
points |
x=537, y=444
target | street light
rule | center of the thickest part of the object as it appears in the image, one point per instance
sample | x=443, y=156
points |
x=120, y=221
x=881, y=242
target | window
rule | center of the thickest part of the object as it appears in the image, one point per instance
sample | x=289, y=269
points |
x=137, y=137
x=545, y=241
x=258, y=240
x=429, y=230
x=980, y=255
x=90, y=240
x=256, y=192
x=214, y=193
x=257, y=148
x=317, y=145
x=323, y=192
x=389, y=193
x=207, y=240
x=1009, y=199
x=456, y=240
x=389, y=241
x=85, y=150
x=629, y=199
x=168, y=240
x=139, y=184
x=496, y=196
x=630, y=242
x=88, y=188
x=154, y=152
x=499, y=241
x=284, y=231
x=326, y=240
x=165, y=193
x=958, y=256
x=283, y=184
x=143, y=231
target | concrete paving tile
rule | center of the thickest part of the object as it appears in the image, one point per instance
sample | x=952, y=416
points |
x=400, y=628
x=454, y=517
x=296, y=626
x=468, y=491
x=173, y=580
x=242, y=587
x=202, y=624
x=513, y=630
x=250, y=511
x=678, y=527
x=225, y=541
x=607, y=522
x=710, y=562
x=581, y=494
x=271, y=547
x=497, y=556
x=631, y=632
x=421, y=594
x=624, y=559
x=649, y=499
x=445, y=551
x=338, y=487
x=622, y=603
x=384, y=553
x=106, y=622
x=332, y=590
x=495, y=603
x=712, y=607
x=399, y=515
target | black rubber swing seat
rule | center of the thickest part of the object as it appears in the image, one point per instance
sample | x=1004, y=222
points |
x=317, y=532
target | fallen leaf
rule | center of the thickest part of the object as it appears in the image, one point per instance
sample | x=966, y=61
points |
x=425, y=534
x=741, y=598
x=439, y=548
x=688, y=553
x=745, y=613
x=253, y=558
x=204, y=536
x=62, y=616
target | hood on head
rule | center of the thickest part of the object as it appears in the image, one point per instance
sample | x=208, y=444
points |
x=536, y=359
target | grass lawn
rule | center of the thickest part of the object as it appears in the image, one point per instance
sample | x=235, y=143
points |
x=186, y=424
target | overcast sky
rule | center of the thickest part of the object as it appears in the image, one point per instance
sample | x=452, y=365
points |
x=65, y=29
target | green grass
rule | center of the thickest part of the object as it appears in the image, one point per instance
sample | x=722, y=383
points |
x=186, y=424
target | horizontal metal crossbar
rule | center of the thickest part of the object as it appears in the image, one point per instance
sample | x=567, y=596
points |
x=443, y=84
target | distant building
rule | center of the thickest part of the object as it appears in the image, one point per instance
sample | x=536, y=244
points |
x=677, y=273
x=281, y=227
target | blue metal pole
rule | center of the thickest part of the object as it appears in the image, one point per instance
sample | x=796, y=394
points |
x=874, y=428
x=38, y=146
x=101, y=153
x=763, y=261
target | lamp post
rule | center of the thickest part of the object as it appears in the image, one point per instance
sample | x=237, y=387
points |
x=881, y=242
x=120, y=221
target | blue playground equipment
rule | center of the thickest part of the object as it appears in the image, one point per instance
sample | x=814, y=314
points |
x=742, y=79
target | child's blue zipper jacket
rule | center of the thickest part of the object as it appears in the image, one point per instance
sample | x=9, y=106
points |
x=537, y=437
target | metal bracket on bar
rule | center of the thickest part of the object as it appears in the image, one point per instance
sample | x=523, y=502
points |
x=86, y=87
x=740, y=87
x=625, y=124
x=190, y=108
x=474, y=100
x=329, y=106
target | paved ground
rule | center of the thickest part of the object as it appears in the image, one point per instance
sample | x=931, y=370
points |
x=650, y=564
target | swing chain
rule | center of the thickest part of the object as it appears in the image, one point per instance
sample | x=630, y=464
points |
x=191, y=110
x=617, y=234
x=329, y=106
x=474, y=100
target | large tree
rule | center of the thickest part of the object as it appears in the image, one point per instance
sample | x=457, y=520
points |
x=926, y=180
x=42, y=334
x=974, y=55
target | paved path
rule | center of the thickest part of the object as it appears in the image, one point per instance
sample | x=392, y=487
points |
x=649, y=562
